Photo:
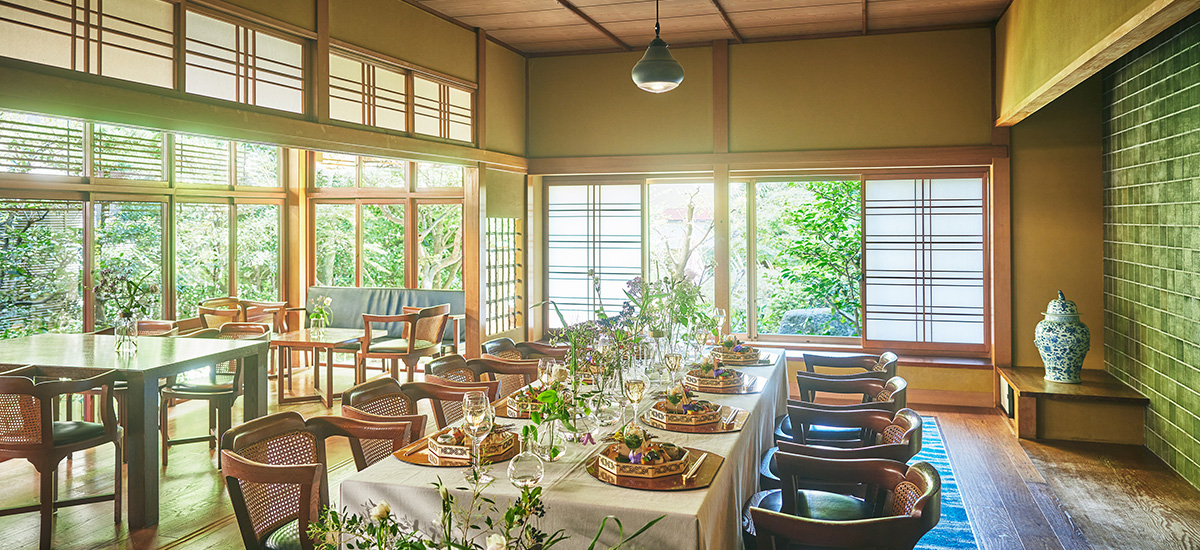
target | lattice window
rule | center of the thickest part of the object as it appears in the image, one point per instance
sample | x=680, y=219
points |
x=367, y=93
x=342, y=170
x=441, y=110
x=36, y=144
x=925, y=260
x=505, y=264
x=238, y=63
x=592, y=229
x=126, y=39
x=125, y=152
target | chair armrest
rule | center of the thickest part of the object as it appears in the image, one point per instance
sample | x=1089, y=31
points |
x=870, y=405
x=863, y=533
x=417, y=421
x=544, y=349
x=872, y=419
x=235, y=466
x=896, y=452
x=874, y=471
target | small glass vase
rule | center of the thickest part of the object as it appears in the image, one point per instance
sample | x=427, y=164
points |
x=319, y=324
x=125, y=329
x=527, y=468
x=548, y=439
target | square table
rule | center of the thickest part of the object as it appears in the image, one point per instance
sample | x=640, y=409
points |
x=316, y=340
x=706, y=518
x=81, y=355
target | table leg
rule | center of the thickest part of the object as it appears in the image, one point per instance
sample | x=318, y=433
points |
x=254, y=384
x=282, y=354
x=142, y=441
x=328, y=378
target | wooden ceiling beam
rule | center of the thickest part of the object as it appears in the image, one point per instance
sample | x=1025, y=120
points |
x=737, y=36
x=864, y=15
x=620, y=43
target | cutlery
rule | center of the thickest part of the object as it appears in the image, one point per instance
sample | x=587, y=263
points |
x=695, y=467
x=729, y=418
x=424, y=441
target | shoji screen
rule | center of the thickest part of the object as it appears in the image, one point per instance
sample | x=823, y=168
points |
x=925, y=250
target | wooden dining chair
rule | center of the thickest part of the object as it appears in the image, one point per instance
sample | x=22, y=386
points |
x=277, y=473
x=882, y=435
x=380, y=400
x=506, y=348
x=364, y=434
x=222, y=391
x=423, y=330
x=273, y=314
x=837, y=367
x=28, y=431
x=512, y=375
x=901, y=505
x=214, y=317
x=445, y=396
x=890, y=395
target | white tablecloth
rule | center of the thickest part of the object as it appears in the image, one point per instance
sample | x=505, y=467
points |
x=705, y=519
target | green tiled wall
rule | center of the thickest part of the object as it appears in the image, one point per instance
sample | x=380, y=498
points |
x=1152, y=236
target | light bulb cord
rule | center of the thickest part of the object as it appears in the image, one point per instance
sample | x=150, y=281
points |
x=656, y=19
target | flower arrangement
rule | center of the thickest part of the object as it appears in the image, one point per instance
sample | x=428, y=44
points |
x=131, y=296
x=319, y=313
x=470, y=527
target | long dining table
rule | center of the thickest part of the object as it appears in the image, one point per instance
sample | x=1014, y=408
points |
x=81, y=355
x=705, y=518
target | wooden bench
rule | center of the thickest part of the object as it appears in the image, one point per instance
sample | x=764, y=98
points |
x=1101, y=408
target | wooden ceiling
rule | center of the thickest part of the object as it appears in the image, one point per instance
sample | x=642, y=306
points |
x=561, y=26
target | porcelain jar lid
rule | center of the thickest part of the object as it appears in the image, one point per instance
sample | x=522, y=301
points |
x=1061, y=306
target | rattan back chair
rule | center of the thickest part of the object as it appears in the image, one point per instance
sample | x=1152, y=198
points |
x=220, y=394
x=903, y=503
x=380, y=400
x=445, y=396
x=28, y=431
x=512, y=375
x=882, y=366
x=888, y=395
x=506, y=348
x=881, y=434
x=423, y=330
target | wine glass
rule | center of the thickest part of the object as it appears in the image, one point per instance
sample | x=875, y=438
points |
x=477, y=423
x=545, y=370
x=634, y=387
x=673, y=361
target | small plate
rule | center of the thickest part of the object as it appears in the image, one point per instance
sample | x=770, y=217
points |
x=753, y=384
x=740, y=417
x=703, y=478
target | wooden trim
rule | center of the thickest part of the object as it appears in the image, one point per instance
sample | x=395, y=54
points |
x=864, y=18
x=737, y=36
x=721, y=231
x=1000, y=218
x=595, y=25
x=475, y=258
x=410, y=242
x=89, y=265
x=720, y=57
x=387, y=60
x=318, y=84
x=842, y=159
x=479, y=98
x=1151, y=20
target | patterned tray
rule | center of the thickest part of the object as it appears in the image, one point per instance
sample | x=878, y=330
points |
x=753, y=384
x=703, y=478
x=739, y=420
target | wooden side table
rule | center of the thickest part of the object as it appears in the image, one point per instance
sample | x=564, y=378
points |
x=1101, y=408
x=316, y=340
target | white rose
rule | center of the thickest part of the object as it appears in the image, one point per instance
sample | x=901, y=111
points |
x=444, y=493
x=496, y=541
x=380, y=511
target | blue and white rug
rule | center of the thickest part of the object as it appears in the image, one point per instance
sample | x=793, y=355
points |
x=954, y=529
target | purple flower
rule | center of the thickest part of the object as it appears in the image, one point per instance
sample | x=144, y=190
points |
x=587, y=439
x=635, y=458
x=737, y=348
x=719, y=372
x=689, y=407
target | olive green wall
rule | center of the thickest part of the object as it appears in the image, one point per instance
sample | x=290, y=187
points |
x=505, y=93
x=1057, y=227
x=301, y=13
x=403, y=31
x=896, y=90
x=585, y=105
x=505, y=194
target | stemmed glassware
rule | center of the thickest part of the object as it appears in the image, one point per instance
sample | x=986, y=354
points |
x=545, y=370
x=634, y=386
x=477, y=423
x=673, y=361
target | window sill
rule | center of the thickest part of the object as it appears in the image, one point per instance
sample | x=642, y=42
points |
x=795, y=352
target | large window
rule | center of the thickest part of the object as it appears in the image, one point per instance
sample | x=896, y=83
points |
x=41, y=267
x=681, y=238
x=42, y=256
x=593, y=230
x=335, y=244
x=440, y=253
x=383, y=244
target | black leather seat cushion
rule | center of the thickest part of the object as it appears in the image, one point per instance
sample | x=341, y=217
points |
x=66, y=433
x=286, y=537
x=809, y=504
x=783, y=431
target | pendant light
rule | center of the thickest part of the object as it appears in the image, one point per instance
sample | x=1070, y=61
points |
x=658, y=71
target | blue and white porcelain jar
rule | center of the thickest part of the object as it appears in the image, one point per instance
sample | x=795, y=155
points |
x=1063, y=341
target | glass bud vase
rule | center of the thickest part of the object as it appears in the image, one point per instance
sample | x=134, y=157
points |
x=527, y=468
x=548, y=439
x=125, y=329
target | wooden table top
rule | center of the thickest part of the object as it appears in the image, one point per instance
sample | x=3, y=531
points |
x=319, y=339
x=1097, y=385
x=98, y=351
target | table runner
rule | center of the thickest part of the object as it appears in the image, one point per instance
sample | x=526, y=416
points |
x=703, y=518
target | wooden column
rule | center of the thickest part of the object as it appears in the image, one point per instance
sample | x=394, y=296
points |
x=474, y=256
x=296, y=256
x=535, y=256
x=1000, y=258
x=721, y=239
x=319, y=83
x=720, y=58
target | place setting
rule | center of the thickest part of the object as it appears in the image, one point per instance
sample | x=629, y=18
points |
x=634, y=458
x=678, y=410
x=478, y=441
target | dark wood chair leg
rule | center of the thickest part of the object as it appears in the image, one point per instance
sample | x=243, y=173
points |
x=46, y=505
x=212, y=422
x=120, y=449
x=163, y=433
x=224, y=423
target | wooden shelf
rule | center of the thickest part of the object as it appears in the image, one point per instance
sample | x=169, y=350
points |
x=1100, y=408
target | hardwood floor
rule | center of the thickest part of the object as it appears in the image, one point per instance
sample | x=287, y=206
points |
x=1019, y=494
